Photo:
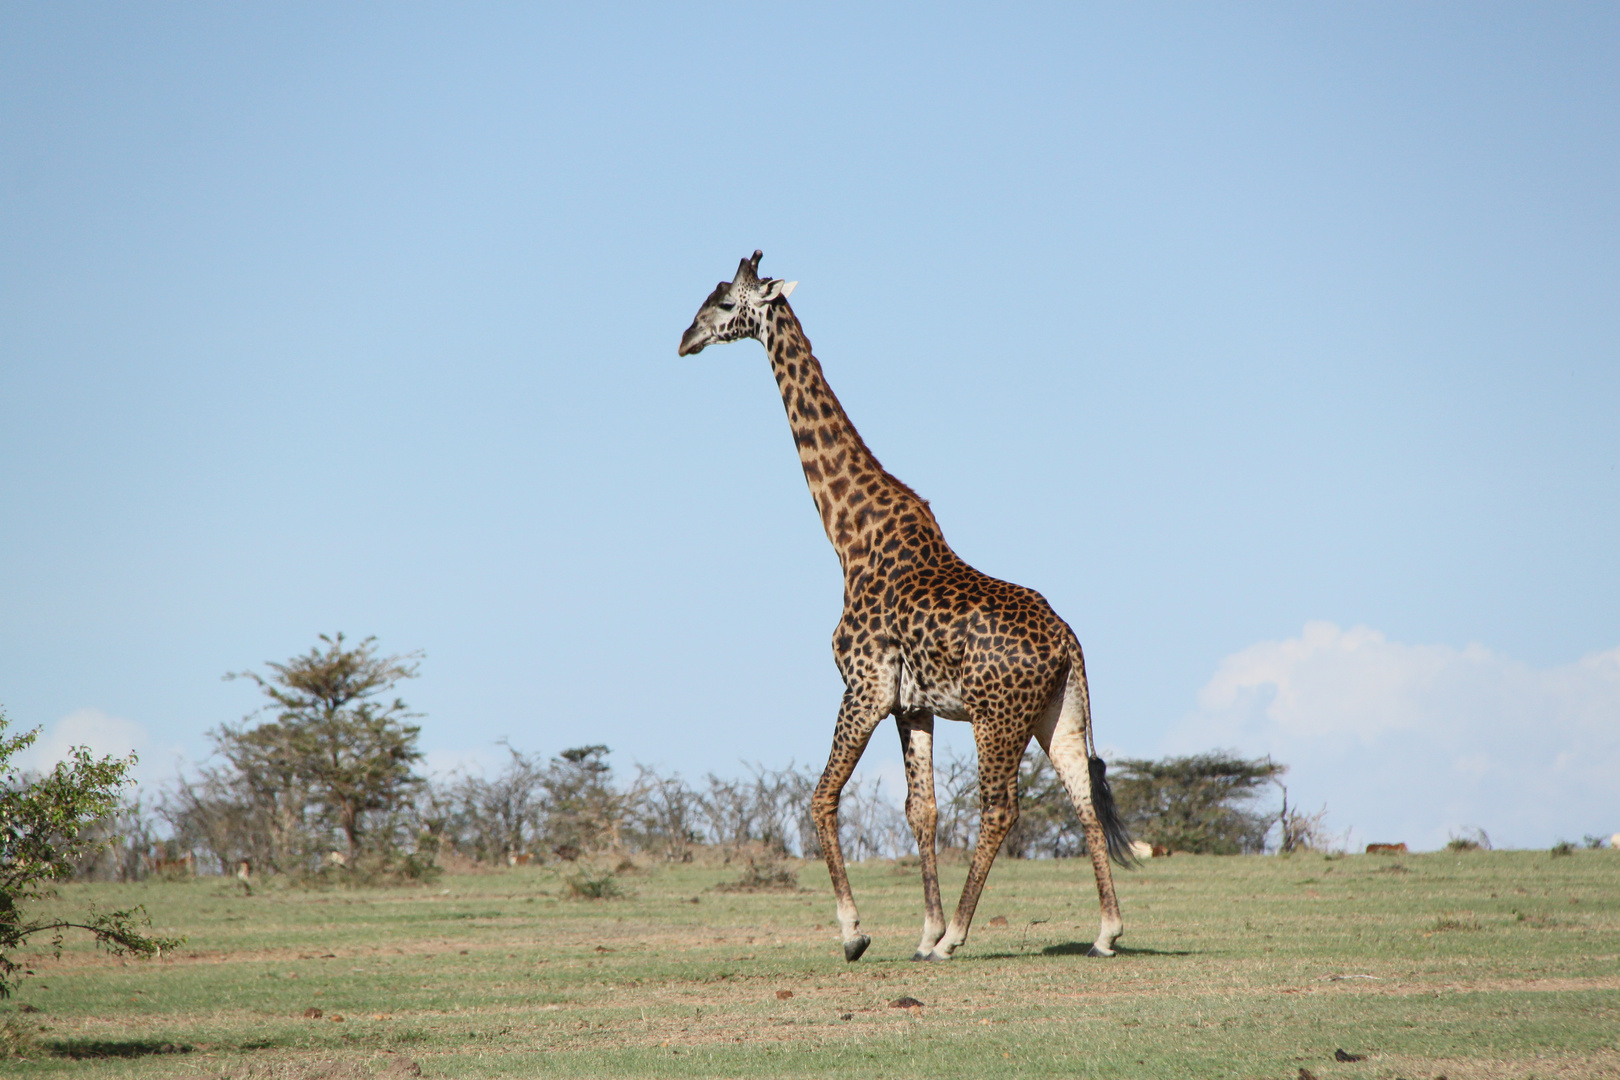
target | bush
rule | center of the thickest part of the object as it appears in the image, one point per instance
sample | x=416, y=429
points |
x=767, y=876
x=1563, y=847
x=584, y=886
x=46, y=830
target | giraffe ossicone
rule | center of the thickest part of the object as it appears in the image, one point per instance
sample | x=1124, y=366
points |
x=922, y=635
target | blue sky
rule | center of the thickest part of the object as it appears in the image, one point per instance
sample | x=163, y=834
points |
x=1276, y=345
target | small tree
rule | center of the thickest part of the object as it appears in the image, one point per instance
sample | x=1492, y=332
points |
x=331, y=742
x=582, y=810
x=47, y=827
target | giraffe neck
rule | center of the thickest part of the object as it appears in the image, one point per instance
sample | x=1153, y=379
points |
x=856, y=497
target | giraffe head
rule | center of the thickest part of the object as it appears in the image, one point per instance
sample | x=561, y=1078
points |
x=736, y=308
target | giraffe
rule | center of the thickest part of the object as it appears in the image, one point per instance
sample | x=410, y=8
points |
x=922, y=635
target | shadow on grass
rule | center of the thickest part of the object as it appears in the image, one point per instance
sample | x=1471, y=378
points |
x=1069, y=948
x=1081, y=948
x=79, y=1049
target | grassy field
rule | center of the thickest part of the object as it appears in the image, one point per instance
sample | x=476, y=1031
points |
x=1489, y=964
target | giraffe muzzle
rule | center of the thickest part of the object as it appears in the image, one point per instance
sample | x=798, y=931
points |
x=688, y=348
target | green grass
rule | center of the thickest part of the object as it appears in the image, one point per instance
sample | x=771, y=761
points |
x=1480, y=964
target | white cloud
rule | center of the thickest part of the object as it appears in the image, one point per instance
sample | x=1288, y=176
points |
x=1412, y=742
x=103, y=734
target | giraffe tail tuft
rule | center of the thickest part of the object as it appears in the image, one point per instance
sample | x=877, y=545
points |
x=1102, y=801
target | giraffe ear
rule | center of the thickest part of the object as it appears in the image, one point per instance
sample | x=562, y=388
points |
x=774, y=288
x=787, y=290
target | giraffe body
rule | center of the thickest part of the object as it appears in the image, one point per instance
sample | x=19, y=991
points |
x=922, y=635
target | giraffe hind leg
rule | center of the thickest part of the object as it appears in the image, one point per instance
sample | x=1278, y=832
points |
x=1063, y=737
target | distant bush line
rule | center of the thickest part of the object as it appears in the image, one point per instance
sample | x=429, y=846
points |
x=322, y=782
x=220, y=820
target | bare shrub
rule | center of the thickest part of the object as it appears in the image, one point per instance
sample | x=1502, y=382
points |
x=665, y=815
x=869, y=825
x=1299, y=831
x=132, y=845
x=1470, y=838
x=233, y=815
x=956, y=797
x=490, y=820
x=769, y=808
x=731, y=811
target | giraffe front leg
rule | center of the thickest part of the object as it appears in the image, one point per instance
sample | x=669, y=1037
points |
x=917, y=747
x=856, y=719
x=998, y=792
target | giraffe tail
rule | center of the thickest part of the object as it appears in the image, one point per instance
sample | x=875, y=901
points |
x=1113, y=826
x=1116, y=834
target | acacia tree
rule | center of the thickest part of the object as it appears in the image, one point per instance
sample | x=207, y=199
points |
x=1200, y=803
x=334, y=740
x=46, y=829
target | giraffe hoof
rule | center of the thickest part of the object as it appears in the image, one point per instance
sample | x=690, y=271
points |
x=1095, y=951
x=920, y=955
x=854, y=949
x=935, y=957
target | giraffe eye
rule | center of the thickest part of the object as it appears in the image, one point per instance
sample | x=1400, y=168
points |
x=727, y=305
